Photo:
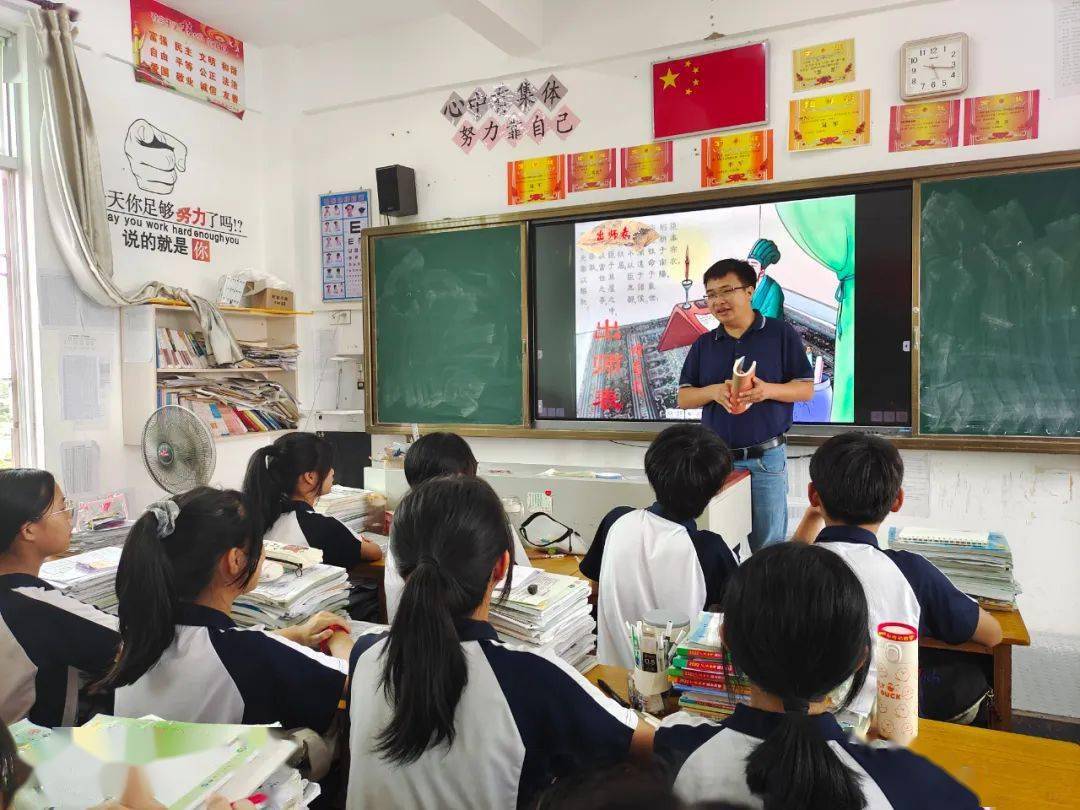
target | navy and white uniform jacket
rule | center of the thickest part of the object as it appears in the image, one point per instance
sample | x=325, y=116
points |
x=301, y=525
x=900, y=587
x=216, y=672
x=645, y=561
x=50, y=645
x=394, y=584
x=708, y=762
x=522, y=720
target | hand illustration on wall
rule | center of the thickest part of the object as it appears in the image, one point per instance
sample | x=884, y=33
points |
x=155, y=156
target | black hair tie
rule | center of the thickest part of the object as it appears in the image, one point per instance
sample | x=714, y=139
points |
x=796, y=705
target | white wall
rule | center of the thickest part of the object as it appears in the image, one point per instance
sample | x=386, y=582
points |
x=374, y=100
x=225, y=172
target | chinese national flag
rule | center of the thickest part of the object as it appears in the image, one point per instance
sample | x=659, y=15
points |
x=707, y=91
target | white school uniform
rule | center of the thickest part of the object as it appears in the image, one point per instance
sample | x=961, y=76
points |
x=523, y=719
x=709, y=763
x=300, y=525
x=216, y=672
x=394, y=583
x=50, y=646
x=644, y=561
x=900, y=587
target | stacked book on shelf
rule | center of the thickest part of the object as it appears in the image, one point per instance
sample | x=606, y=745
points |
x=89, y=577
x=979, y=564
x=259, y=354
x=547, y=612
x=702, y=672
x=361, y=510
x=232, y=405
x=179, y=349
x=293, y=586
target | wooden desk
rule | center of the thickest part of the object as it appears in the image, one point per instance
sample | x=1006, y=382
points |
x=566, y=564
x=1013, y=632
x=1004, y=770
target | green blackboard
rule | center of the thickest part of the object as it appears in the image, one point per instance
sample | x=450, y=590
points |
x=1000, y=305
x=447, y=327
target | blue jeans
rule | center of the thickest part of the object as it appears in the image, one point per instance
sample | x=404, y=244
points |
x=768, y=497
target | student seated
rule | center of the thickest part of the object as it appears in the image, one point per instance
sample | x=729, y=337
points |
x=443, y=714
x=284, y=481
x=182, y=658
x=855, y=481
x=795, y=622
x=429, y=456
x=657, y=558
x=50, y=644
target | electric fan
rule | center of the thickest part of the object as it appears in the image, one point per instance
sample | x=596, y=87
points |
x=178, y=450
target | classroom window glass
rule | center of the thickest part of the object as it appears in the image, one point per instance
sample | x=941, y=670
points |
x=10, y=320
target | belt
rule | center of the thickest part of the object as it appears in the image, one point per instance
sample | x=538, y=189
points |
x=757, y=450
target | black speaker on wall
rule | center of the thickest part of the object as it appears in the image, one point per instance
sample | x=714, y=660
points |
x=397, y=190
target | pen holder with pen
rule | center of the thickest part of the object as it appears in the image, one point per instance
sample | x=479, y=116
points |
x=653, y=640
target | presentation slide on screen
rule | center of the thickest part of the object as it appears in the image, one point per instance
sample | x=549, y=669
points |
x=640, y=302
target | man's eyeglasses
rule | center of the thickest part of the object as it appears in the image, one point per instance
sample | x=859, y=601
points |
x=726, y=293
x=69, y=507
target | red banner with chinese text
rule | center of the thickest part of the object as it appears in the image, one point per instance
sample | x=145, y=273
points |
x=180, y=53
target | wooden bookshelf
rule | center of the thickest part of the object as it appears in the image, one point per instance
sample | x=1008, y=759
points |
x=139, y=379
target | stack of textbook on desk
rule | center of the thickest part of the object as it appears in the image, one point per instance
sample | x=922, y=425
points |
x=89, y=577
x=547, y=613
x=359, y=509
x=287, y=597
x=702, y=672
x=101, y=538
x=979, y=564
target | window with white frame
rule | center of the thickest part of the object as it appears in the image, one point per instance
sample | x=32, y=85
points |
x=14, y=325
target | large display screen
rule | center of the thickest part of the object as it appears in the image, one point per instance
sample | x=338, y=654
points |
x=619, y=301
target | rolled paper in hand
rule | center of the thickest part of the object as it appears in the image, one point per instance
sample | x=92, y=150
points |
x=896, y=657
x=741, y=380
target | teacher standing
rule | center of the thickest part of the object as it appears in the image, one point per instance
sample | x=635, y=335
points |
x=783, y=376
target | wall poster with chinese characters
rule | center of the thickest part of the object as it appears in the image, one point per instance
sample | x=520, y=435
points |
x=509, y=113
x=342, y=218
x=155, y=206
x=833, y=121
x=1001, y=118
x=180, y=53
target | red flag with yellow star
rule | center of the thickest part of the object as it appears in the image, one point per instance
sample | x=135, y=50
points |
x=708, y=91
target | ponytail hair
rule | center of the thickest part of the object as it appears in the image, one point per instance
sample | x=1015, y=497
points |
x=169, y=557
x=448, y=535
x=437, y=454
x=273, y=470
x=797, y=624
x=25, y=495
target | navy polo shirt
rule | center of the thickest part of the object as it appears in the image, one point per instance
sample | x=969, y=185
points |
x=216, y=672
x=300, y=525
x=945, y=612
x=522, y=720
x=780, y=356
